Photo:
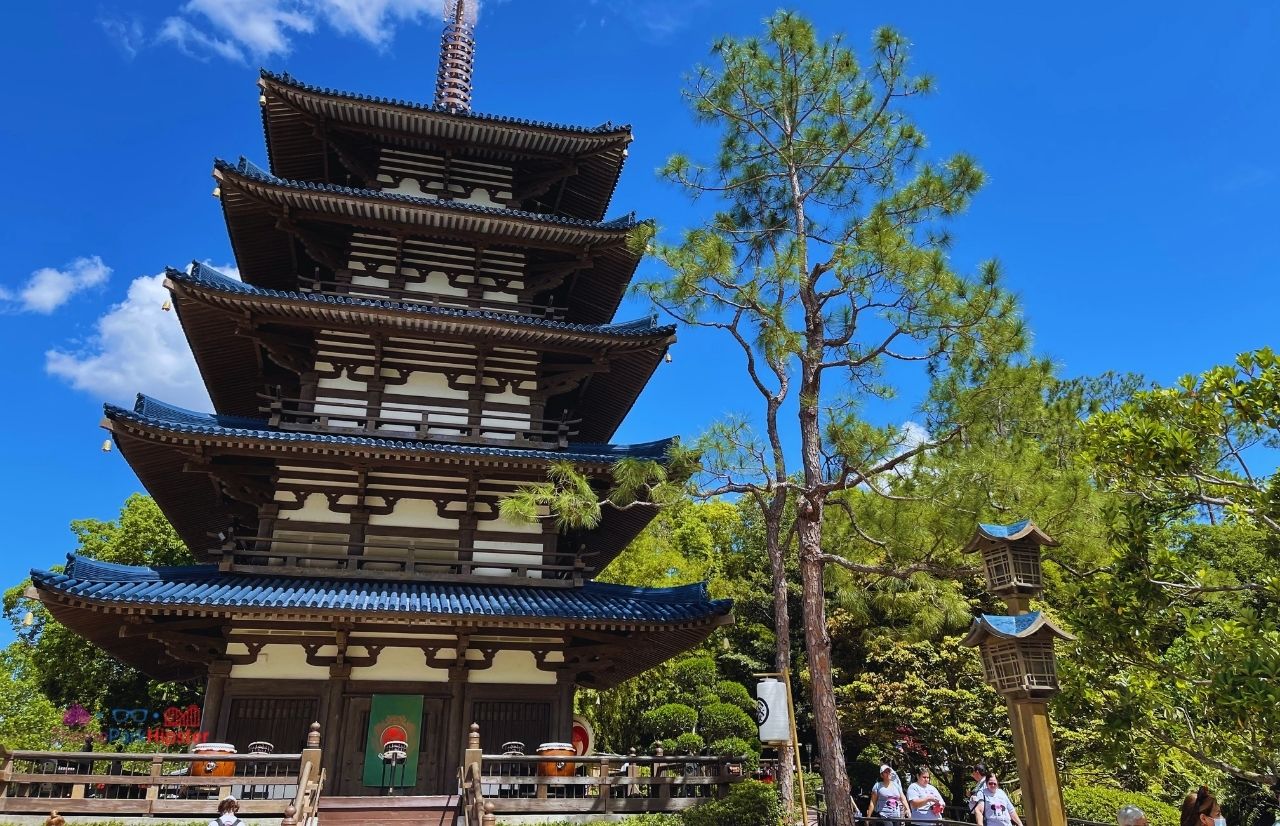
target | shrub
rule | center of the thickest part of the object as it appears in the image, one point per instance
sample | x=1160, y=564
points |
x=737, y=747
x=723, y=720
x=749, y=803
x=695, y=674
x=1100, y=804
x=730, y=692
x=670, y=720
x=688, y=743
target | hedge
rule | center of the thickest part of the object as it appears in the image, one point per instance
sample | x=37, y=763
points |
x=1100, y=804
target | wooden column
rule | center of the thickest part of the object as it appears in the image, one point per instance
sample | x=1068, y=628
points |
x=214, y=692
x=334, y=700
x=1037, y=763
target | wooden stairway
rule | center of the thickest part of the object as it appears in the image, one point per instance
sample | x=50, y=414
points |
x=426, y=810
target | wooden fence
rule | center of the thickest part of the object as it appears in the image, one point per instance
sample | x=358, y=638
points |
x=161, y=784
x=494, y=785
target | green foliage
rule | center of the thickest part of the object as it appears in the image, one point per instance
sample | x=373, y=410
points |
x=748, y=803
x=695, y=674
x=736, y=693
x=930, y=699
x=737, y=747
x=26, y=715
x=569, y=497
x=1100, y=804
x=1191, y=445
x=669, y=720
x=688, y=743
x=1185, y=615
x=723, y=720
x=66, y=668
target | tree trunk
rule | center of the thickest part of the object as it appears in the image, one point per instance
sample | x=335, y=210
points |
x=835, y=777
x=817, y=642
x=782, y=635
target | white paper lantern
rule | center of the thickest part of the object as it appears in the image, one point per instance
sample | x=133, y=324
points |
x=772, y=712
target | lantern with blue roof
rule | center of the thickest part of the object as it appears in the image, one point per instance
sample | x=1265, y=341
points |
x=1011, y=560
x=1017, y=653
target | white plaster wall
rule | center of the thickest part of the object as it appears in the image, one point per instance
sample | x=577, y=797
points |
x=414, y=513
x=404, y=664
x=278, y=662
x=515, y=667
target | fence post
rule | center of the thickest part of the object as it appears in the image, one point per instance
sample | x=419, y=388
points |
x=288, y=819
x=6, y=772
x=633, y=771
x=605, y=790
x=156, y=773
x=489, y=818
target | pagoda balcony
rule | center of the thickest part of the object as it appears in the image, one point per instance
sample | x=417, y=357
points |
x=455, y=423
x=437, y=561
x=343, y=284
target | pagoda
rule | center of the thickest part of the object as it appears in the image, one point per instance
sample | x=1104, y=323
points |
x=422, y=324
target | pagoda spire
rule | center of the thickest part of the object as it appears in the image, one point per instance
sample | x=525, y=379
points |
x=457, y=55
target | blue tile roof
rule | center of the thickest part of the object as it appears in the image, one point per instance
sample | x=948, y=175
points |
x=1004, y=531
x=205, y=586
x=207, y=276
x=285, y=77
x=253, y=172
x=1018, y=626
x=163, y=416
x=1014, y=626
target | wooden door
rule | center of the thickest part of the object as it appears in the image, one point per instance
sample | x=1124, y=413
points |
x=431, y=756
x=281, y=721
x=503, y=721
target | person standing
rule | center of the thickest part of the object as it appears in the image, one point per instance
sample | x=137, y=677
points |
x=924, y=798
x=994, y=806
x=887, y=798
x=1200, y=808
x=978, y=772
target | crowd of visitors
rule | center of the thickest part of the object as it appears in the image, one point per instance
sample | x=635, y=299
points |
x=923, y=803
x=989, y=805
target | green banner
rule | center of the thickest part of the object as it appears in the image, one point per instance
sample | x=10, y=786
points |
x=393, y=717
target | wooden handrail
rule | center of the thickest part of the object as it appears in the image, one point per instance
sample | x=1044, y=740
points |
x=462, y=406
x=325, y=287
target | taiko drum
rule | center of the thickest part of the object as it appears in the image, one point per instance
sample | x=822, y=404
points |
x=211, y=767
x=556, y=768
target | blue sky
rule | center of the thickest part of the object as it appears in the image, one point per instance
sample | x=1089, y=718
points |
x=1130, y=147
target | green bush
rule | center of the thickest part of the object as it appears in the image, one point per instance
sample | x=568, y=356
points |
x=670, y=720
x=730, y=692
x=688, y=743
x=749, y=803
x=1100, y=804
x=723, y=720
x=736, y=747
x=695, y=674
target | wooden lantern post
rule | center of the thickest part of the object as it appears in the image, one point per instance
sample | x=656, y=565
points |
x=1018, y=659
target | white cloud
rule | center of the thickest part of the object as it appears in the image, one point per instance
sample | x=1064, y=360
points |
x=48, y=289
x=129, y=34
x=375, y=20
x=137, y=347
x=195, y=43
x=241, y=29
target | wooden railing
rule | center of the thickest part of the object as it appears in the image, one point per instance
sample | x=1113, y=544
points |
x=155, y=785
x=285, y=556
x=461, y=425
x=459, y=302
x=494, y=785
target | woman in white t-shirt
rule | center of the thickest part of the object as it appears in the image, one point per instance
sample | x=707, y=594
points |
x=887, y=798
x=994, y=807
x=923, y=798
